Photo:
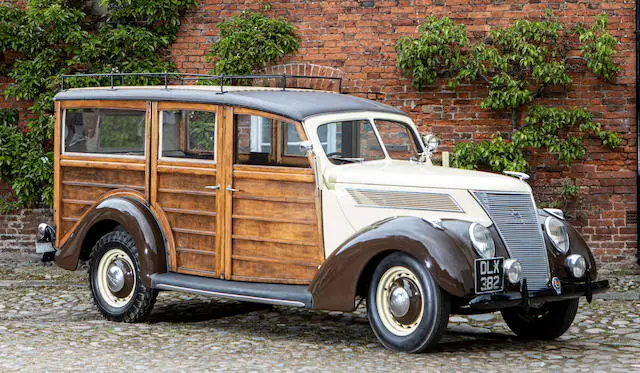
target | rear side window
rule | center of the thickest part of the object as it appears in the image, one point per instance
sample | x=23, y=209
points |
x=104, y=131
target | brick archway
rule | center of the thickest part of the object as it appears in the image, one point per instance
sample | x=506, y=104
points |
x=309, y=70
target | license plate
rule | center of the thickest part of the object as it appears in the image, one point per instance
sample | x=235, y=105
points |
x=489, y=275
x=44, y=247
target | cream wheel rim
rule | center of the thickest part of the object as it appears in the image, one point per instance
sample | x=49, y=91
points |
x=107, y=267
x=399, y=301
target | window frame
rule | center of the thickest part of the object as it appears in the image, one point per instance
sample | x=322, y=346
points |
x=177, y=107
x=277, y=121
x=142, y=106
x=311, y=126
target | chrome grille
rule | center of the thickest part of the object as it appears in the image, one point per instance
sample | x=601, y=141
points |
x=516, y=219
x=404, y=200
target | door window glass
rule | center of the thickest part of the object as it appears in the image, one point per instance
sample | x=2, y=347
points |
x=350, y=141
x=291, y=141
x=188, y=134
x=257, y=140
x=105, y=131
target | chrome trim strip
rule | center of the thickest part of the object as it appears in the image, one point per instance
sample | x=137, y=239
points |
x=277, y=302
x=555, y=212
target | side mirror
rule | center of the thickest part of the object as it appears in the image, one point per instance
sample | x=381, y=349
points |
x=306, y=147
x=431, y=142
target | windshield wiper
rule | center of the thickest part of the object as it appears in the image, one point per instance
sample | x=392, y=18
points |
x=349, y=160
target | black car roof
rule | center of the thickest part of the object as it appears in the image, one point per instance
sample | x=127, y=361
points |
x=294, y=104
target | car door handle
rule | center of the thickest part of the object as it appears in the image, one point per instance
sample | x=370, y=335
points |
x=230, y=189
x=212, y=187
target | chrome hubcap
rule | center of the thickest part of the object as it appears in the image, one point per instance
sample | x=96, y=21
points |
x=399, y=302
x=115, y=276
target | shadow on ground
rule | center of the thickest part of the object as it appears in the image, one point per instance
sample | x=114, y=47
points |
x=263, y=321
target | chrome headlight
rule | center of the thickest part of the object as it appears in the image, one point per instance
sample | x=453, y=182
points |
x=482, y=240
x=557, y=232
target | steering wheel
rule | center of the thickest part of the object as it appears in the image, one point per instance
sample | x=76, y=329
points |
x=334, y=154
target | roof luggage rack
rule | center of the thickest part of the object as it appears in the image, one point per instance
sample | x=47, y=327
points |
x=117, y=79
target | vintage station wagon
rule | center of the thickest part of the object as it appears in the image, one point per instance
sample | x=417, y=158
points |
x=302, y=198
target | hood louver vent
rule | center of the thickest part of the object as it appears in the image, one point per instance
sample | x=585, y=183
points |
x=404, y=200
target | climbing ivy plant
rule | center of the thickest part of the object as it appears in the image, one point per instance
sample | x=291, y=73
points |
x=47, y=38
x=519, y=63
x=249, y=41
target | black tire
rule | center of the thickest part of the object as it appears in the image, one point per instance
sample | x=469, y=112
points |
x=426, y=322
x=545, y=323
x=136, y=299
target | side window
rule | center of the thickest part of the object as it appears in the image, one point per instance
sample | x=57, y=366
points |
x=267, y=142
x=188, y=134
x=104, y=131
x=349, y=141
x=291, y=141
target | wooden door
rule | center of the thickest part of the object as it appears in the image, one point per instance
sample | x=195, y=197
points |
x=185, y=185
x=272, y=205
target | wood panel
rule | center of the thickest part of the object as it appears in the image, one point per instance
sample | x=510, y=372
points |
x=256, y=270
x=275, y=235
x=191, y=212
x=194, y=260
x=81, y=186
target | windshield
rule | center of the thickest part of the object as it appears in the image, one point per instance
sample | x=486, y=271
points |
x=350, y=141
x=399, y=139
x=356, y=140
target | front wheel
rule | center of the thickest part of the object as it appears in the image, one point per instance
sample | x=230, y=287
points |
x=407, y=309
x=545, y=323
x=114, y=277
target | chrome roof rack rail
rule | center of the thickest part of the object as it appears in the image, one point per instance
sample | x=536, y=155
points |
x=166, y=77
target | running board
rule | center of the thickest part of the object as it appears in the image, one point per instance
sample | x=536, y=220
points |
x=277, y=294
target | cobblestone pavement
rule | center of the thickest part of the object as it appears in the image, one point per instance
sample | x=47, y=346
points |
x=48, y=324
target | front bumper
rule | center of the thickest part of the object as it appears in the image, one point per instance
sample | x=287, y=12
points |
x=526, y=299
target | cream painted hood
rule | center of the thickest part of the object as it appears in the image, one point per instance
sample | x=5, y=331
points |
x=408, y=174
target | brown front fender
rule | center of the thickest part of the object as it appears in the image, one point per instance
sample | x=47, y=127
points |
x=447, y=258
x=577, y=245
x=132, y=214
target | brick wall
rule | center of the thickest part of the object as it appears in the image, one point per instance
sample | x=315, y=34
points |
x=358, y=38
x=18, y=232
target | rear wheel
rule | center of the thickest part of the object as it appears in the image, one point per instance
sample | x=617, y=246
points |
x=114, y=278
x=545, y=323
x=407, y=309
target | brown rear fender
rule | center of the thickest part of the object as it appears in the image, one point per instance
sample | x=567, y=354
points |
x=132, y=213
x=443, y=253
